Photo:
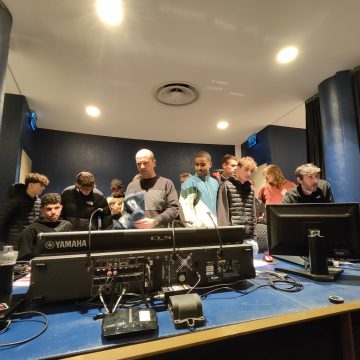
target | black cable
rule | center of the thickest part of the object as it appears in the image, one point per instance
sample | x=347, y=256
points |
x=278, y=281
x=45, y=322
x=292, y=285
x=220, y=253
x=173, y=255
x=240, y=292
x=143, y=297
x=88, y=258
x=219, y=285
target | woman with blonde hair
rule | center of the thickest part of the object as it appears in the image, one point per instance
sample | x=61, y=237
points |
x=275, y=185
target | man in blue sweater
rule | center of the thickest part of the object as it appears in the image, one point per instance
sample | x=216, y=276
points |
x=198, y=195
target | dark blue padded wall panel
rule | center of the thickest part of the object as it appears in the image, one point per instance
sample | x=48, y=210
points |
x=61, y=155
x=279, y=145
x=288, y=149
x=14, y=136
x=261, y=150
x=5, y=29
x=340, y=139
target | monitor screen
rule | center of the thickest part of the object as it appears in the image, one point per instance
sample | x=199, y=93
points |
x=121, y=240
x=319, y=231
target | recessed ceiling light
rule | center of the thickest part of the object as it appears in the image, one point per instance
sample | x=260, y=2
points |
x=222, y=125
x=92, y=111
x=287, y=54
x=110, y=11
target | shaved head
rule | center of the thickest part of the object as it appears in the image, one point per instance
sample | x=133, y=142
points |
x=145, y=153
x=145, y=163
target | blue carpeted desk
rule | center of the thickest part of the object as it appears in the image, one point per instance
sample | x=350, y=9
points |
x=228, y=314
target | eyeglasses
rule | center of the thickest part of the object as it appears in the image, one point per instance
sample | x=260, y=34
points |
x=4, y=325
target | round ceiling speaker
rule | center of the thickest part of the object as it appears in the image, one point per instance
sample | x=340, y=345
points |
x=176, y=93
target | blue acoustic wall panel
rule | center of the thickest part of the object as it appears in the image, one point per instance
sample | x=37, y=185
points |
x=15, y=135
x=340, y=137
x=5, y=30
x=61, y=155
x=280, y=145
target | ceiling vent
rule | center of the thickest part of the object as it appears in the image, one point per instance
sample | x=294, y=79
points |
x=176, y=93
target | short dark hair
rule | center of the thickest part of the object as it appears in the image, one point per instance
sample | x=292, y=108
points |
x=34, y=178
x=50, y=199
x=116, y=184
x=226, y=158
x=203, y=154
x=85, y=179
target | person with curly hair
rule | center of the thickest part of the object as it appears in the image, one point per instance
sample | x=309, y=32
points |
x=275, y=186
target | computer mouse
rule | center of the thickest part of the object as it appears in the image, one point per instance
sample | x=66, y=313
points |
x=268, y=258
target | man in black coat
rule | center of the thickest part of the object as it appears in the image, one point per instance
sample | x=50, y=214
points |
x=311, y=188
x=81, y=200
x=22, y=206
x=49, y=221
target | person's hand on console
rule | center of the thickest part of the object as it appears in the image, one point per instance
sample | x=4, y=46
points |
x=145, y=223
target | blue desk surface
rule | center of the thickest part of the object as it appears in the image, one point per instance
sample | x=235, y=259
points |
x=71, y=332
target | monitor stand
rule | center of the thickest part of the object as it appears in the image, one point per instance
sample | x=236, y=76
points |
x=319, y=270
x=332, y=275
x=298, y=260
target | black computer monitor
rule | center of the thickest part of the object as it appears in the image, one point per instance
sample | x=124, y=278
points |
x=56, y=243
x=319, y=231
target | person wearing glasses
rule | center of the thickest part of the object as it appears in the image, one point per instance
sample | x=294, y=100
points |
x=81, y=200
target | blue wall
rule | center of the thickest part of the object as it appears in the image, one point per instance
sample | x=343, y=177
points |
x=15, y=134
x=61, y=155
x=340, y=136
x=280, y=145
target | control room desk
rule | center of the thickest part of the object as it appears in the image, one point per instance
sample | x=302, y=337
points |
x=264, y=323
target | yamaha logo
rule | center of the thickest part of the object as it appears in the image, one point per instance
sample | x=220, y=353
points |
x=49, y=245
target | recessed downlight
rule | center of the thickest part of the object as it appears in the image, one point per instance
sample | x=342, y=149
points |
x=287, y=54
x=222, y=125
x=110, y=11
x=92, y=111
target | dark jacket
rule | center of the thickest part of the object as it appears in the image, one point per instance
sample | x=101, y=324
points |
x=236, y=206
x=18, y=211
x=27, y=247
x=78, y=208
x=323, y=194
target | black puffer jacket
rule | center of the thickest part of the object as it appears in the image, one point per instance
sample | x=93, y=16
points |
x=236, y=206
x=19, y=211
x=78, y=208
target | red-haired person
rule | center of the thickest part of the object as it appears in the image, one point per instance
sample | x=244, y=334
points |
x=275, y=186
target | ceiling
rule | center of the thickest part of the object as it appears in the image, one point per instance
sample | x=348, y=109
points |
x=62, y=58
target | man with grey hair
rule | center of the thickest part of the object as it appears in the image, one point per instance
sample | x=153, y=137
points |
x=310, y=189
x=160, y=196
